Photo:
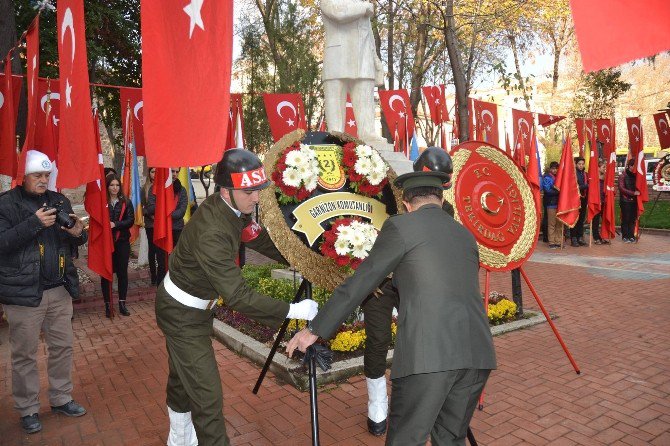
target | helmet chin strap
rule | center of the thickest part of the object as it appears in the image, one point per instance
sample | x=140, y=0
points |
x=232, y=200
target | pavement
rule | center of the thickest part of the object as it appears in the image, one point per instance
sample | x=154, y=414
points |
x=612, y=304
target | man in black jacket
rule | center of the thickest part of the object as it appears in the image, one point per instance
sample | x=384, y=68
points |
x=577, y=233
x=37, y=283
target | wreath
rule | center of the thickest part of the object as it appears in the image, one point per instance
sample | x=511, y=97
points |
x=296, y=173
x=348, y=241
x=365, y=169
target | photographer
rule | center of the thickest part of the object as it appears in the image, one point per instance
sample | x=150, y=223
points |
x=37, y=283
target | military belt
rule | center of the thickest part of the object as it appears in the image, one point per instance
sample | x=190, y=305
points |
x=183, y=297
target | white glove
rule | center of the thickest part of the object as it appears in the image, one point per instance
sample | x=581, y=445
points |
x=305, y=309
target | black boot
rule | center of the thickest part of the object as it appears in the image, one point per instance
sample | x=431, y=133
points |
x=122, y=308
x=108, y=311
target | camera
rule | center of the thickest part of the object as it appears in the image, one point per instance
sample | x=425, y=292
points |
x=62, y=217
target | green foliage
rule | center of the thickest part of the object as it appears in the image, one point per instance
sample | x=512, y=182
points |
x=258, y=278
x=597, y=93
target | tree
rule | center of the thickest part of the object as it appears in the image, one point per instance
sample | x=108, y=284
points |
x=597, y=94
x=554, y=25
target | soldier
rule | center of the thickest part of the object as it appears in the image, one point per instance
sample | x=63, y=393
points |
x=444, y=350
x=203, y=267
x=378, y=313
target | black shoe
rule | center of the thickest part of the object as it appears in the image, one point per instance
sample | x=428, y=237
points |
x=581, y=242
x=70, y=409
x=108, y=311
x=377, y=429
x=122, y=308
x=31, y=423
x=574, y=242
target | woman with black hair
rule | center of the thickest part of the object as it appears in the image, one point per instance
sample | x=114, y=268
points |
x=121, y=219
x=628, y=201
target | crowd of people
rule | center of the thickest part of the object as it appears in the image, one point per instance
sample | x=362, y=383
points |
x=554, y=231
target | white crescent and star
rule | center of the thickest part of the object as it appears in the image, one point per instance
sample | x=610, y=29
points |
x=632, y=130
x=489, y=124
x=137, y=108
x=193, y=10
x=284, y=104
x=397, y=97
x=68, y=22
x=50, y=97
x=519, y=122
x=483, y=201
x=602, y=130
x=663, y=121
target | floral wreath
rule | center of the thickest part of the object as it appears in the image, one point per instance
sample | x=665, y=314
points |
x=348, y=241
x=365, y=169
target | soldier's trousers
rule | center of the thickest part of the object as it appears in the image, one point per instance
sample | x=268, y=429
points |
x=438, y=404
x=378, y=312
x=194, y=384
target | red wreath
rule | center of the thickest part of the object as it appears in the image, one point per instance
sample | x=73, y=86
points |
x=357, y=181
x=291, y=194
x=327, y=247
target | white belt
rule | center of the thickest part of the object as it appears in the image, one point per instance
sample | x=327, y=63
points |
x=183, y=297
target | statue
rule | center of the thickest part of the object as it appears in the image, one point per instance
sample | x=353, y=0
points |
x=350, y=65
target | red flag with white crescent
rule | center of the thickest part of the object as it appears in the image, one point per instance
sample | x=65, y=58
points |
x=78, y=160
x=100, y=244
x=568, y=189
x=486, y=114
x=437, y=103
x=133, y=97
x=187, y=48
x=636, y=142
x=522, y=126
x=33, y=65
x=397, y=111
x=48, y=117
x=10, y=88
x=546, y=120
x=165, y=204
x=606, y=137
x=663, y=129
x=593, y=197
x=285, y=112
x=350, y=125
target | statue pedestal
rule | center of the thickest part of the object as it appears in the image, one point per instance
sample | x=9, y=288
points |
x=397, y=160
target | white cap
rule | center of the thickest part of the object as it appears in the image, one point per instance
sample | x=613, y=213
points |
x=37, y=162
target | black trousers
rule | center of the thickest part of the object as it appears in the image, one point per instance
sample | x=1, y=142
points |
x=628, y=218
x=162, y=257
x=120, y=258
x=596, y=226
x=578, y=230
x=152, y=253
x=378, y=314
x=544, y=226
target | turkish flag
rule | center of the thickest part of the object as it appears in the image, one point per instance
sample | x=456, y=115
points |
x=547, y=120
x=100, y=244
x=533, y=172
x=395, y=105
x=186, y=62
x=605, y=135
x=48, y=117
x=661, y=121
x=584, y=133
x=165, y=204
x=643, y=25
x=605, y=130
x=350, y=125
x=286, y=113
x=636, y=143
x=33, y=64
x=522, y=126
x=133, y=97
x=568, y=190
x=437, y=103
x=486, y=114
x=593, y=197
x=78, y=160
x=10, y=88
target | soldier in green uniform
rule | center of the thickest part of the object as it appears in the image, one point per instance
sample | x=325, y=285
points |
x=378, y=312
x=203, y=266
x=444, y=351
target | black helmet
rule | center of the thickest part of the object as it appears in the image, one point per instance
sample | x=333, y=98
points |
x=434, y=159
x=241, y=169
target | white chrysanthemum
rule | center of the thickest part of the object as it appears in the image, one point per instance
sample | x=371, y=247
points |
x=295, y=158
x=359, y=251
x=375, y=177
x=291, y=177
x=357, y=238
x=357, y=226
x=345, y=233
x=311, y=183
x=363, y=151
x=363, y=166
x=305, y=172
x=341, y=246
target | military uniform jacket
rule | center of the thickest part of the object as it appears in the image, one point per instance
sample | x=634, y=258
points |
x=441, y=320
x=203, y=264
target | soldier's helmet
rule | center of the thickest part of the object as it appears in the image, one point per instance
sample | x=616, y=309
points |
x=435, y=159
x=241, y=169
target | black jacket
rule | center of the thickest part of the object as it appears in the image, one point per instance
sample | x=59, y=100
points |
x=22, y=268
x=582, y=182
x=123, y=215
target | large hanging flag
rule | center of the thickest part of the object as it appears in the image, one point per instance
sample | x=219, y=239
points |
x=636, y=142
x=33, y=64
x=533, y=172
x=285, y=112
x=486, y=115
x=350, y=125
x=133, y=97
x=165, y=205
x=49, y=144
x=130, y=177
x=78, y=161
x=100, y=244
x=645, y=24
x=593, y=197
x=546, y=120
x=48, y=112
x=605, y=130
x=436, y=103
x=522, y=128
x=187, y=48
x=663, y=130
x=568, y=189
x=10, y=87
x=584, y=133
x=395, y=105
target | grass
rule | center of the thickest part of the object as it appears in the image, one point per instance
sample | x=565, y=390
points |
x=659, y=219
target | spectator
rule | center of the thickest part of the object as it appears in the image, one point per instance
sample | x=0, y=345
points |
x=598, y=240
x=148, y=213
x=577, y=233
x=38, y=281
x=628, y=201
x=121, y=219
x=554, y=225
